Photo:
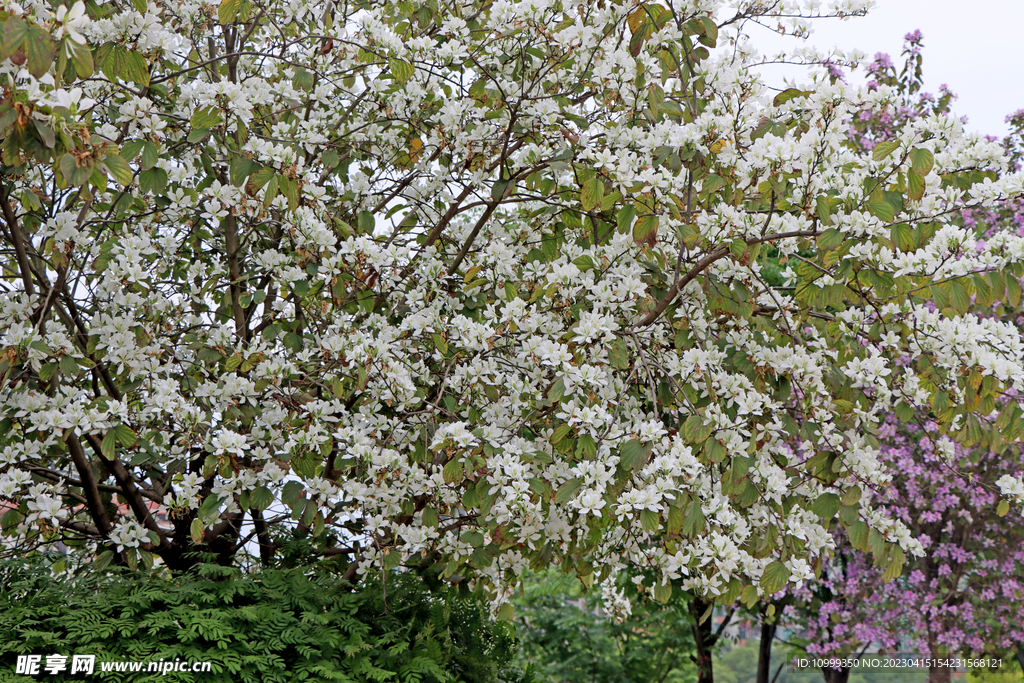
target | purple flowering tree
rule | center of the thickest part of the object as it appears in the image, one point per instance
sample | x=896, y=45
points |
x=965, y=596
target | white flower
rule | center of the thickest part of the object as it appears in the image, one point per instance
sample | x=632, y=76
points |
x=1011, y=487
x=128, y=534
x=71, y=21
x=227, y=441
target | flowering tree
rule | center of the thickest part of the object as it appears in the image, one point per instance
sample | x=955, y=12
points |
x=484, y=283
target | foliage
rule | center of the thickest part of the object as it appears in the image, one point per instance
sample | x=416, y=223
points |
x=569, y=637
x=478, y=284
x=275, y=626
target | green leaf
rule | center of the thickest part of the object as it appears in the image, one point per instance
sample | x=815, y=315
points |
x=228, y=11
x=1013, y=292
x=118, y=169
x=260, y=178
x=789, y=94
x=921, y=161
x=502, y=189
x=675, y=520
x=291, y=493
x=69, y=367
x=662, y=592
x=895, y=566
x=209, y=509
x=46, y=371
x=625, y=218
x=592, y=194
x=75, y=174
x=136, y=68
x=196, y=531
x=904, y=412
x=206, y=117
x=774, y=578
x=365, y=222
x=260, y=498
x=884, y=149
x=826, y=505
x=824, y=210
x=474, y=538
x=401, y=70
x=154, y=180
x=303, y=80
x=560, y=433
x=858, y=533
x=902, y=236
x=567, y=491
x=150, y=155
x=103, y=560
x=40, y=49
x=586, y=447
x=108, y=444
x=126, y=436
x=694, y=429
x=694, y=522
x=478, y=91
x=440, y=344
x=506, y=612
x=915, y=186
x=632, y=455
x=636, y=43
x=452, y=471
x=618, y=354
x=710, y=29
x=882, y=209
x=81, y=58
x=715, y=450
x=958, y=297
x=1003, y=508
x=15, y=33
x=649, y=521
x=241, y=168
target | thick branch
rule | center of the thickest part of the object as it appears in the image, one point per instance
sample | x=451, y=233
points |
x=19, y=242
x=130, y=491
x=97, y=510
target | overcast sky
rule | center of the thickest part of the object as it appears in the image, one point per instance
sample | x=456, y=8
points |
x=975, y=47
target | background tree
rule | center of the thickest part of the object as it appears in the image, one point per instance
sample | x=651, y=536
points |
x=570, y=637
x=474, y=283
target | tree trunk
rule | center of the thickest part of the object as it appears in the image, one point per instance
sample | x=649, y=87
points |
x=938, y=674
x=764, y=651
x=835, y=675
x=704, y=636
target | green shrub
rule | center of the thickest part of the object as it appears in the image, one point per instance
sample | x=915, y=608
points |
x=280, y=625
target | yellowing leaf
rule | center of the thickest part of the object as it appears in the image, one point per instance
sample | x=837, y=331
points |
x=401, y=70
x=592, y=194
x=775, y=577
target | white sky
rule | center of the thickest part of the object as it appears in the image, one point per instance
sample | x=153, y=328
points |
x=974, y=47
